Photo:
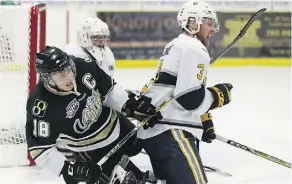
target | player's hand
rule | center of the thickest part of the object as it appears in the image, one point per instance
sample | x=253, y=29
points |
x=221, y=94
x=140, y=108
x=81, y=171
x=208, y=127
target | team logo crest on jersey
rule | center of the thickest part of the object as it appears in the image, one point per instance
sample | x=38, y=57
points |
x=90, y=113
x=39, y=108
x=72, y=108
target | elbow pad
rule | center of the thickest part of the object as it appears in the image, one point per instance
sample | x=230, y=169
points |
x=193, y=99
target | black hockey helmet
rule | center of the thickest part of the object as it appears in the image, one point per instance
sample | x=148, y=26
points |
x=51, y=59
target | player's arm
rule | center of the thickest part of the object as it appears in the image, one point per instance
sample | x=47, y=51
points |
x=41, y=138
x=117, y=98
x=190, y=92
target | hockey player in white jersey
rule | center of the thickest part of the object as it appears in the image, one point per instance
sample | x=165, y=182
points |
x=181, y=75
x=94, y=37
x=93, y=41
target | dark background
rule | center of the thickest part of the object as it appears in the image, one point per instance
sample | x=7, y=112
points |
x=143, y=35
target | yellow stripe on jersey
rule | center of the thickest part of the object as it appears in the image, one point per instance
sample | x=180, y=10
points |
x=35, y=153
x=99, y=136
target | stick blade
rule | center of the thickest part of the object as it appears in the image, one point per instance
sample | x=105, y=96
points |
x=251, y=20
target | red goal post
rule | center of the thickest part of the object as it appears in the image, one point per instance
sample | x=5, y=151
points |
x=22, y=34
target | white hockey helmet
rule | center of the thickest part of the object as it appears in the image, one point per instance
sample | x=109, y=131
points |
x=198, y=10
x=94, y=32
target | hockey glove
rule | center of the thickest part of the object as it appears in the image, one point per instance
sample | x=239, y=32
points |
x=208, y=127
x=140, y=108
x=81, y=171
x=221, y=94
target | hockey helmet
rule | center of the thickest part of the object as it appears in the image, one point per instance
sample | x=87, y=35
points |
x=198, y=10
x=94, y=32
x=51, y=59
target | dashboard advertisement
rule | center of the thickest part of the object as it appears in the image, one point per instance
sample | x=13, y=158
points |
x=143, y=35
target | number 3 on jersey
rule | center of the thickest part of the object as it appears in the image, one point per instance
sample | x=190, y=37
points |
x=201, y=73
x=41, y=128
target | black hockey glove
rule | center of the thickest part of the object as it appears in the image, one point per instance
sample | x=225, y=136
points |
x=81, y=171
x=208, y=127
x=140, y=108
x=221, y=94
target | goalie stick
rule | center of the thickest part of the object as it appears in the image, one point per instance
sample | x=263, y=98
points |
x=135, y=130
x=254, y=151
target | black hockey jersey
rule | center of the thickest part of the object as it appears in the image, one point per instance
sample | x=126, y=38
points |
x=81, y=119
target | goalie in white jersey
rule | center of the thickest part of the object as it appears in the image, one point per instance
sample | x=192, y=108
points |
x=93, y=39
x=181, y=75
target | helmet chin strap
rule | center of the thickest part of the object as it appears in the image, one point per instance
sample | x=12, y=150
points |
x=54, y=89
x=75, y=88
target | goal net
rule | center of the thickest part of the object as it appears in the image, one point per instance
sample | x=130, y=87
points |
x=22, y=34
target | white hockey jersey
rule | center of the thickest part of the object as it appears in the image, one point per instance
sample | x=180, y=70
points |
x=181, y=75
x=105, y=58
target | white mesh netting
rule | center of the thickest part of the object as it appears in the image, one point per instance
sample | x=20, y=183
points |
x=16, y=44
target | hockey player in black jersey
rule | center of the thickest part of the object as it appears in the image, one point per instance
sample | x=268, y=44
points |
x=77, y=102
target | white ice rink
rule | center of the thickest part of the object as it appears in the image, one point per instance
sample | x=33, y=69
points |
x=258, y=116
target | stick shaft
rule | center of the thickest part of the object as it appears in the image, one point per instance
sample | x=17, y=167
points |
x=253, y=151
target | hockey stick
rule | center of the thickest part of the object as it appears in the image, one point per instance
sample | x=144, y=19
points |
x=135, y=130
x=130, y=134
x=254, y=151
x=207, y=168
x=217, y=170
x=254, y=17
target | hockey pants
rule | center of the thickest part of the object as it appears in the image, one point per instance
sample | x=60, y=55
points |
x=175, y=157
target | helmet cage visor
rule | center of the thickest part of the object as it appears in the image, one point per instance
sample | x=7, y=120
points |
x=192, y=22
x=61, y=74
x=212, y=23
x=99, y=40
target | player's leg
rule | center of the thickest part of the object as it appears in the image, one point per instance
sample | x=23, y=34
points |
x=175, y=157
